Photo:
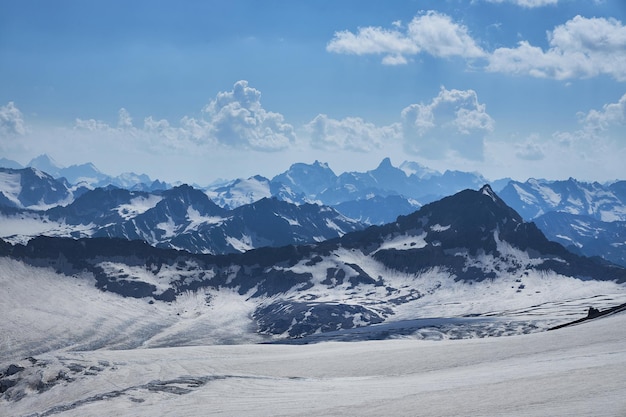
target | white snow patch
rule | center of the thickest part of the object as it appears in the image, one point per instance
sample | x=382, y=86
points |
x=405, y=242
x=196, y=219
x=525, y=196
x=138, y=205
x=333, y=226
x=10, y=186
x=240, y=192
x=169, y=227
x=22, y=227
x=439, y=228
x=242, y=245
x=569, y=239
x=292, y=222
x=549, y=195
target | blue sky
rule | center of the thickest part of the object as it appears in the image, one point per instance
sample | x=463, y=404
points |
x=198, y=90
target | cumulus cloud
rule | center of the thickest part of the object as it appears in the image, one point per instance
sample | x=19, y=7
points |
x=236, y=118
x=430, y=32
x=91, y=125
x=124, y=120
x=531, y=149
x=11, y=121
x=582, y=47
x=527, y=3
x=612, y=115
x=351, y=133
x=453, y=122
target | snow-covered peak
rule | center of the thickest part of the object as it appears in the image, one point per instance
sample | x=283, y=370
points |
x=32, y=188
x=486, y=190
x=418, y=170
x=47, y=164
x=536, y=197
x=240, y=192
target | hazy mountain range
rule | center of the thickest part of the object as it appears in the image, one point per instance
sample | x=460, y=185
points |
x=312, y=191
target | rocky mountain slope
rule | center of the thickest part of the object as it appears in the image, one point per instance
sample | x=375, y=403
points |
x=181, y=218
x=586, y=235
x=32, y=188
x=469, y=254
x=536, y=197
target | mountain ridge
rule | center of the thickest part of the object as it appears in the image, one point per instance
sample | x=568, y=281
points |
x=470, y=241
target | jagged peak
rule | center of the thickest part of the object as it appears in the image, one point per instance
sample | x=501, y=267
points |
x=385, y=163
x=321, y=164
x=486, y=190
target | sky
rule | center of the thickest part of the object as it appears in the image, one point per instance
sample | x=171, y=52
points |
x=194, y=91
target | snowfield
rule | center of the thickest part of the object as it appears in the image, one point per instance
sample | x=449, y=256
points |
x=576, y=371
x=69, y=349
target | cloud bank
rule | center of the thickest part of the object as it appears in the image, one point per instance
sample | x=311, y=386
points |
x=527, y=3
x=351, y=133
x=11, y=121
x=580, y=48
x=454, y=121
x=430, y=32
x=234, y=119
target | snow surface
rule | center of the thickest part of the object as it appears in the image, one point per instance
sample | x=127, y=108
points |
x=21, y=227
x=240, y=192
x=242, y=245
x=576, y=371
x=137, y=206
x=11, y=187
x=405, y=242
x=439, y=228
x=97, y=353
x=525, y=196
x=196, y=219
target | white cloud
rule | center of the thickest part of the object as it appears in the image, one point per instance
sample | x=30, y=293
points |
x=612, y=115
x=236, y=118
x=124, y=119
x=530, y=149
x=11, y=121
x=595, y=151
x=430, y=32
x=528, y=3
x=91, y=125
x=351, y=133
x=438, y=35
x=582, y=47
x=453, y=122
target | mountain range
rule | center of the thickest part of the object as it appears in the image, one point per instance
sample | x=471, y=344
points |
x=86, y=175
x=467, y=245
x=181, y=218
x=97, y=289
x=373, y=197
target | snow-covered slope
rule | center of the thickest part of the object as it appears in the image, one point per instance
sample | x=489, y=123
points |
x=576, y=371
x=586, y=235
x=101, y=326
x=468, y=254
x=32, y=188
x=536, y=197
x=89, y=176
x=183, y=218
x=247, y=191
